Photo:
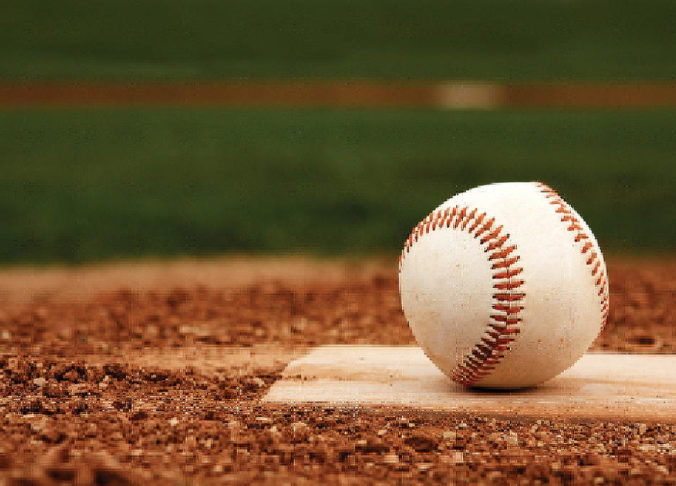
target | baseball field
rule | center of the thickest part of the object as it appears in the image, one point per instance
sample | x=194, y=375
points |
x=166, y=257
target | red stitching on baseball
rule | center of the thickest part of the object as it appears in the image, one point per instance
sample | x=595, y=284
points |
x=503, y=253
x=576, y=226
x=503, y=325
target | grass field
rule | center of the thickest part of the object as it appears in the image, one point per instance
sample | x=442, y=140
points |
x=202, y=39
x=95, y=184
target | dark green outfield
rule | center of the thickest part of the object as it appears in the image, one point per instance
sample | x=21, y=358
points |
x=88, y=185
x=403, y=39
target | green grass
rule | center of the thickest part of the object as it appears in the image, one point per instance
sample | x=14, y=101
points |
x=84, y=185
x=199, y=39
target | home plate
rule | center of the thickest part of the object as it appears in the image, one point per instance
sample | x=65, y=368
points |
x=600, y=385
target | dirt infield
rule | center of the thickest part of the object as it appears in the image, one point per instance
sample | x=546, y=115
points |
x=122, y=374
x=340, y=93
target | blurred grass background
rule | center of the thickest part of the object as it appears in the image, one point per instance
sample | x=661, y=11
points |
x=90, y=184
x=82, y=185
x=386, y=39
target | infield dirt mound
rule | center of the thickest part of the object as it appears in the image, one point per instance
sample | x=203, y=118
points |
x=288, y=302
x=130, y=373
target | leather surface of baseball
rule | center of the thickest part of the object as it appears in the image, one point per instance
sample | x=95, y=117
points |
x=504, y=285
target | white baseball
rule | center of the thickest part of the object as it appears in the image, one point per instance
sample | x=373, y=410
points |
x=504, y=285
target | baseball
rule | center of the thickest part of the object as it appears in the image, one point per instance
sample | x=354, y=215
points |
x=504, y=285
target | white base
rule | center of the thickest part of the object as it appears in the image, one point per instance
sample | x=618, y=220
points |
x=599, y=385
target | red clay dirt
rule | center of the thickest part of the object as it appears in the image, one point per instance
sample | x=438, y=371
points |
x=339, y=93
x=122, y=374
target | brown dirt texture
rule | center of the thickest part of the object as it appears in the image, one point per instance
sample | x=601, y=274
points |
x=152, y=373
x=339, y=93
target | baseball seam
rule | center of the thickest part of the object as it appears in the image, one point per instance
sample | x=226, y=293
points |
x=504, y=321
x=587, y=247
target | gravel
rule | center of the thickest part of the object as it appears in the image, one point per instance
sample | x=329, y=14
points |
x=75, y=408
